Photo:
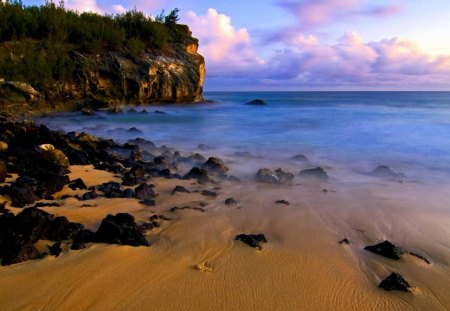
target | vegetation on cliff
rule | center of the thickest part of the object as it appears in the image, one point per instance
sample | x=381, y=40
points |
x=37, y=43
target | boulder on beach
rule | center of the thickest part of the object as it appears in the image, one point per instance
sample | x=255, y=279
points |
x=386, y=249
x=256, y=102
x=265, y=175
x=253, y=240
x=120, y=229
x=197, y=173
x=145, y=192
x=215, y=166
x=317, y=173
x=395, y=282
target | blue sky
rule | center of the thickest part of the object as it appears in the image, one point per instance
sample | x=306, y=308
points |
x=312, y=44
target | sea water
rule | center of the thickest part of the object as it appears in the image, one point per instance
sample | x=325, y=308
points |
x=350, y=133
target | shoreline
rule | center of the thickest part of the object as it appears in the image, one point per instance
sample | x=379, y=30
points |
x=302, y=265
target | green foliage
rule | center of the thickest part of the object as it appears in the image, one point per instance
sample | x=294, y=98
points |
x=36, y=40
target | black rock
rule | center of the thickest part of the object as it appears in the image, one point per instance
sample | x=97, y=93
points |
x=257, y=102
x=22, y=192
x=83, y=237
x=160, y=112
x=111, y=189
x=395, y=282
x=300, y=158
x=231, y=201
x=90, y=195
x=19, y=233
x=210, y=194
x=180, y=189
x=265, y=175
x=120, y=229
x=386, y=249
x=128, y=193
x=87, y=112
x=148, y=202
x=77, y=184
x=215, y=166
x=344, y=241
x=134, y=176
x=283, y=202
x=253, y=240
x=144, y=192
x=197, y=173
x=197, y=157
x=384, y=171
x=55, y=249
x=317, y=173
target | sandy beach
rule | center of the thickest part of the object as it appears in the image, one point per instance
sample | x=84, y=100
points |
x=194, y=263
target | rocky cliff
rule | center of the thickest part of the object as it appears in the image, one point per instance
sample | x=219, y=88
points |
x=171, y=75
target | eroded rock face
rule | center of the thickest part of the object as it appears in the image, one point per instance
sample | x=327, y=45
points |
x=112, y=79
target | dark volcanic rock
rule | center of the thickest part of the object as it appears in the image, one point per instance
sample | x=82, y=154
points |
x=253, y=240
x=215, y=166
x=134, y=176
x=284, y=177
x=386, y=249
x=148, y=202
x=120, y=229
x=265, y=175
x=384, y=171
x=91, y=195
x=145, y=192
x=317, y=173
x=77, y=184
x=3, y=171
x=55, y=249
x=128, y=193
x=210, y=194
x=111, y=189
x=180, y=189
x=83, y=237
x=300, y=158
x=283, y=202
x=19, y=233
x=197, y=173
x=344, y=241
x=231, y=201
x=256, y=102
x=22, y=192
x=395, y=282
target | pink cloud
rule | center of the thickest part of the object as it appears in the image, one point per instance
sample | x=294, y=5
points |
x=226, y=49
x=83, y=5
x=352, y=62
x=315, y=13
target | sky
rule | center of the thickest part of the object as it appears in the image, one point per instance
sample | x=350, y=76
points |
x=309, y=45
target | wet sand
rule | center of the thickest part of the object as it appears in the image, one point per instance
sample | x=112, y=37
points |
x=195, y=264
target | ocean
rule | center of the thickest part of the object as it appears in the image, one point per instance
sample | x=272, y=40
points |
x=348, y=133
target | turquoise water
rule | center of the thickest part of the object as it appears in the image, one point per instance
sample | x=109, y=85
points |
x=352, y=130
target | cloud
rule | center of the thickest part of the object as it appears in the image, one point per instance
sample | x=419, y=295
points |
x=83, y=5
x=118, y=8
x=315, y=13
x=351, y=62
x=227, y=50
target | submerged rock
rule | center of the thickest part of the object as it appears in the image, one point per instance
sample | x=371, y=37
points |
x=253, y=240
x=300, y=158
x=384, y=171
x=265, y=175
x=215, y=166
x=317, y=173
x=256, y=102
x=395, y=282
x=120, y=229
x=386, y=249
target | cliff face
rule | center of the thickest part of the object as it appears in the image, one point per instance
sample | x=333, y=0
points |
x=111, y=79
